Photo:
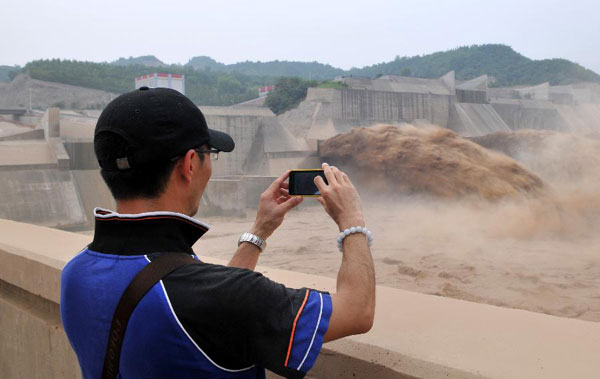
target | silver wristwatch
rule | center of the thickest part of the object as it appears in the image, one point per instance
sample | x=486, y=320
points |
x=253, y=239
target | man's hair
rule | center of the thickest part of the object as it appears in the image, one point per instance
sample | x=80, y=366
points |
x=142, y=182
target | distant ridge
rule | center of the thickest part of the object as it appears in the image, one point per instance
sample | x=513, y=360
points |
x=145, y=60
x=506, y=66
x=501, y=62
x=305, y=70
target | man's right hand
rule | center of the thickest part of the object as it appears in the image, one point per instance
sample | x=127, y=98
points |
x=340, y=198
x=354, y=301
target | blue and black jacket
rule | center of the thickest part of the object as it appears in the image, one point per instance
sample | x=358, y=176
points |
x=200, y=321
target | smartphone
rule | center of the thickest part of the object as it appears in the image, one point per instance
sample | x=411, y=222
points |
x=302, y=182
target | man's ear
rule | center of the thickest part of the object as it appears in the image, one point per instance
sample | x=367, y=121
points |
x=186, y=166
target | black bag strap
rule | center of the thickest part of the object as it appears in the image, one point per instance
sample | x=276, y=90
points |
x=151, y=274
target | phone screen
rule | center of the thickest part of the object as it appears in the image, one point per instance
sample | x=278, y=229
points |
x=302, y=182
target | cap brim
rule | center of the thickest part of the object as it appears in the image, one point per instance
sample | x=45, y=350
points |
x=221, y=141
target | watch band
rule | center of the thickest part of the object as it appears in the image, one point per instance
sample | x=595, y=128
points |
x=253, y=239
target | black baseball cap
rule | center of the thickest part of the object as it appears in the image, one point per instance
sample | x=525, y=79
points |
x=158, y=124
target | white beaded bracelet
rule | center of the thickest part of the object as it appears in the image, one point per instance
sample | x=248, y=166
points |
x=352, y=230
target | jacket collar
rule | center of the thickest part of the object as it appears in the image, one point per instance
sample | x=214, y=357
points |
x=145, y=233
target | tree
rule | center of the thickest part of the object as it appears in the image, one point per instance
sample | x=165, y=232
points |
x=288, y=93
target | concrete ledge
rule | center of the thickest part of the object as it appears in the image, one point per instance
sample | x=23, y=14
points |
x=414, y=336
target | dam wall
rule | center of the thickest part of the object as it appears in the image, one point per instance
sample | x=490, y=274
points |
x=327, y=112
x=257, y=135
x=414, y=335
x=390, y=106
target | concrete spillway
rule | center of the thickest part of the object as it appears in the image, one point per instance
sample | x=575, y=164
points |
x=471, y=120
x=528, y=114
x=43, y=197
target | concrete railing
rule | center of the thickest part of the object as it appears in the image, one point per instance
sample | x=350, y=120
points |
x=414, y=336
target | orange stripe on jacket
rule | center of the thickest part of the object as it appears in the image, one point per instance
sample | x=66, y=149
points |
x=287, y=358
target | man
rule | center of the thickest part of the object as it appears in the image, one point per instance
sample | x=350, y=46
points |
x=202, y=320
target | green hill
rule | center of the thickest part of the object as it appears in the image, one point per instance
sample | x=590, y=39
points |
x=145, y=60
x=500, y=61
x=205, y=63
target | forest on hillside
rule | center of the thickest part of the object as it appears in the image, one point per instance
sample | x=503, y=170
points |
x=501, y=62
x=203, y=87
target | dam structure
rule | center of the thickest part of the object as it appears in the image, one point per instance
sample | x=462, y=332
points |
x=471, y=108
x=49, y=174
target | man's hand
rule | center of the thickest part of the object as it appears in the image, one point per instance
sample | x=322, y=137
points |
x=339, y=198
x=274, y=203
x=354, y=301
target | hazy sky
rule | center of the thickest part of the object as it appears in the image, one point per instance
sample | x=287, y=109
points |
x=342, y=33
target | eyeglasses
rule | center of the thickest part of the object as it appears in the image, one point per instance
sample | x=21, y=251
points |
x=214, y=153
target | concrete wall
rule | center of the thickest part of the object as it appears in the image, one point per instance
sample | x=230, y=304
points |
x=414, y=335
x=471, y=96
x=471, y=120
x=233, y=195
x=81, y=153
x=45, y=197
x=529, y=114
x=328, y=112
x=93, y=193
x=223, y=197
x=390, y=106
x=257, y=133
x=21, y=134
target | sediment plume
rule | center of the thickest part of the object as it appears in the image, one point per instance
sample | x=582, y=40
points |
x=558, y=158
x=388, y=159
